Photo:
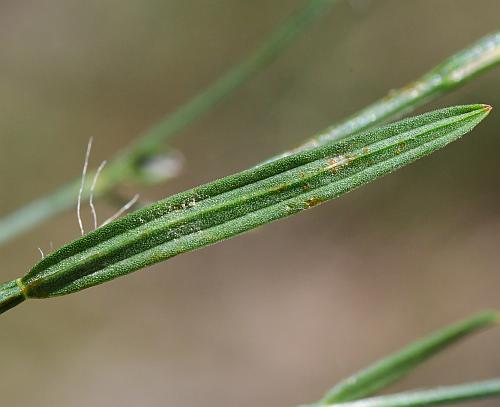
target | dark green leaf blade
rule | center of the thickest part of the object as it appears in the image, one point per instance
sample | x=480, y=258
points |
x=238, y=203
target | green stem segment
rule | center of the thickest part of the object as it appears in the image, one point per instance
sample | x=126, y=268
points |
x=392, y=368
x=235, y=204
x=128, y=164
x=11, y=294
x=433, y=397
x=447, y=76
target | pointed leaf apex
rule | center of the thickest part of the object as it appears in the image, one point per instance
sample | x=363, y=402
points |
x=487, y=108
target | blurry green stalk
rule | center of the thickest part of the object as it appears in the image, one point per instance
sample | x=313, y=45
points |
x=352, y=391
x=447, y=76
x=128, y=164
x=394, y=367
x=432, y=397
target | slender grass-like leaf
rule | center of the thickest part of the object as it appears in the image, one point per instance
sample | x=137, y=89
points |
x=450, y=74
x=238, y=203
x=432, y=397
x=127, y=165
x=394, y=367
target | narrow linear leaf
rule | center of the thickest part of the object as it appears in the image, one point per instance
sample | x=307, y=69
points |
x=397, y=365
x=238, y=203
x=433, y=397
x=450, y=74
x=127, y=164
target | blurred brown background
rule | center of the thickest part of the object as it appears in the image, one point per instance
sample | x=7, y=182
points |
x=274, y=317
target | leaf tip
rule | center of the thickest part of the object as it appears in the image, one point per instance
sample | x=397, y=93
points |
x=487, y=108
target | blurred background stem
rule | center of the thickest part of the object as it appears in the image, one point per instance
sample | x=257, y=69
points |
x=354, y=390
x=128, y=164
x=447, y=76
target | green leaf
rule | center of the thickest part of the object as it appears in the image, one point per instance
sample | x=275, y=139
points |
x=394, y=367
x=10, y=295
x=450, y=74
x=433, y=397
x=238, y=203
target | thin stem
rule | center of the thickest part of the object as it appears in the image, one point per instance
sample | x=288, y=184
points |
x=433, y=397
x=126, y=164
x=122, y=210
x=452, y=73
x=397, y=365
x=92, y=192
x=11, y=294
x=82, y=185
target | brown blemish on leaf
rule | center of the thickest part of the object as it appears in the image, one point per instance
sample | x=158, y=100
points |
x=313, y=202
x=400, y=148
x=280, y=187
x=333, y=164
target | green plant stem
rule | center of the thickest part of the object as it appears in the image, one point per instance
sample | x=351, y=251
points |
x=127, y=165
x=11, y=295
x=238, y=203
x=394, y=367
x=447, y=76
x=433, y=397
